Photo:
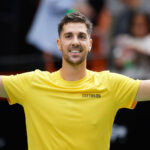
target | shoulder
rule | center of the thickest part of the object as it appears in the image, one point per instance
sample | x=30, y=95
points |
x=41, y=74
x=100, y=76
x=110, y=76
x=45, y=75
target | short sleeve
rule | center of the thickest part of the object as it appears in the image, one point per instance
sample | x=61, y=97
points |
x=17, y=86
x=124, y=90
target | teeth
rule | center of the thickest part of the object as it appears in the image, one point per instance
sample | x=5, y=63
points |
x=75, y=51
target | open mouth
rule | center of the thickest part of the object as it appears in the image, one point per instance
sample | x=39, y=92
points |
x=75, y=51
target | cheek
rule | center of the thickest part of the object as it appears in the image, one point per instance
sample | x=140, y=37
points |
x=62, y=45
x=87, y=46
x=65, y=44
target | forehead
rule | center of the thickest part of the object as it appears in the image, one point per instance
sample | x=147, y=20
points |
x=74, y=28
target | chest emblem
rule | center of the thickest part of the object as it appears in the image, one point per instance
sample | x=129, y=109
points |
x=91, y=95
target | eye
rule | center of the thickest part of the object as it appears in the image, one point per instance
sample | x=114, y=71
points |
x=68, y=36
x=82, y=36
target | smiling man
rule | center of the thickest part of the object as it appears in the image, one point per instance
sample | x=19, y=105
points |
x=72, y=108
x=76, y=41
x=75, y=44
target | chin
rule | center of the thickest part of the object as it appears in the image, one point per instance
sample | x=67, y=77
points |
x=76, y=62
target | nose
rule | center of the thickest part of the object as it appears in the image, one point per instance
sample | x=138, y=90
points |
x=75, y=41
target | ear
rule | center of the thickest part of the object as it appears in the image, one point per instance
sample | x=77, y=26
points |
x=90, y=44
x=58, y=44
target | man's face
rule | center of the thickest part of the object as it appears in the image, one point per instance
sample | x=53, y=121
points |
x=75, y=43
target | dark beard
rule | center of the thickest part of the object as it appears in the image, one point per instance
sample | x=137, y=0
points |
x=76, y=63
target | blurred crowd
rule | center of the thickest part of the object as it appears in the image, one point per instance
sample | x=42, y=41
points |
x=120, y=38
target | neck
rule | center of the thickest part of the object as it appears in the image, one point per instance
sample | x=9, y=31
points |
x=73, y=73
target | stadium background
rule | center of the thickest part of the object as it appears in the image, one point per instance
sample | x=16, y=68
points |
x=132, y=128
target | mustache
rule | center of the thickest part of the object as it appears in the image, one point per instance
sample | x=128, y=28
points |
x=78, y=47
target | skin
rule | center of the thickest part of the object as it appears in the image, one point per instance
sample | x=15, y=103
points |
x=74, y=37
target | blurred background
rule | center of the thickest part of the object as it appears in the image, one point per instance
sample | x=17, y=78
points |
x=121, y=43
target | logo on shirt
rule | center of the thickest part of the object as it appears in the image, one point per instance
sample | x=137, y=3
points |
x=91, y=95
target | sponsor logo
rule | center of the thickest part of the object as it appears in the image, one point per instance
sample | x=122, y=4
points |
x=95, y=95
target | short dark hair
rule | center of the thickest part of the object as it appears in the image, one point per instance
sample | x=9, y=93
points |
x=75, y=17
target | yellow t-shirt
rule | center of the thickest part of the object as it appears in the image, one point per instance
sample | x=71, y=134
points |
x=70, y=115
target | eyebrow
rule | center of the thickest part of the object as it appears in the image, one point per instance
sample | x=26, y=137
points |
x=71, y=33
x=67, y=33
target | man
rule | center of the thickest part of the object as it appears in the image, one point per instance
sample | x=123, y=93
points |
x=72, y=108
